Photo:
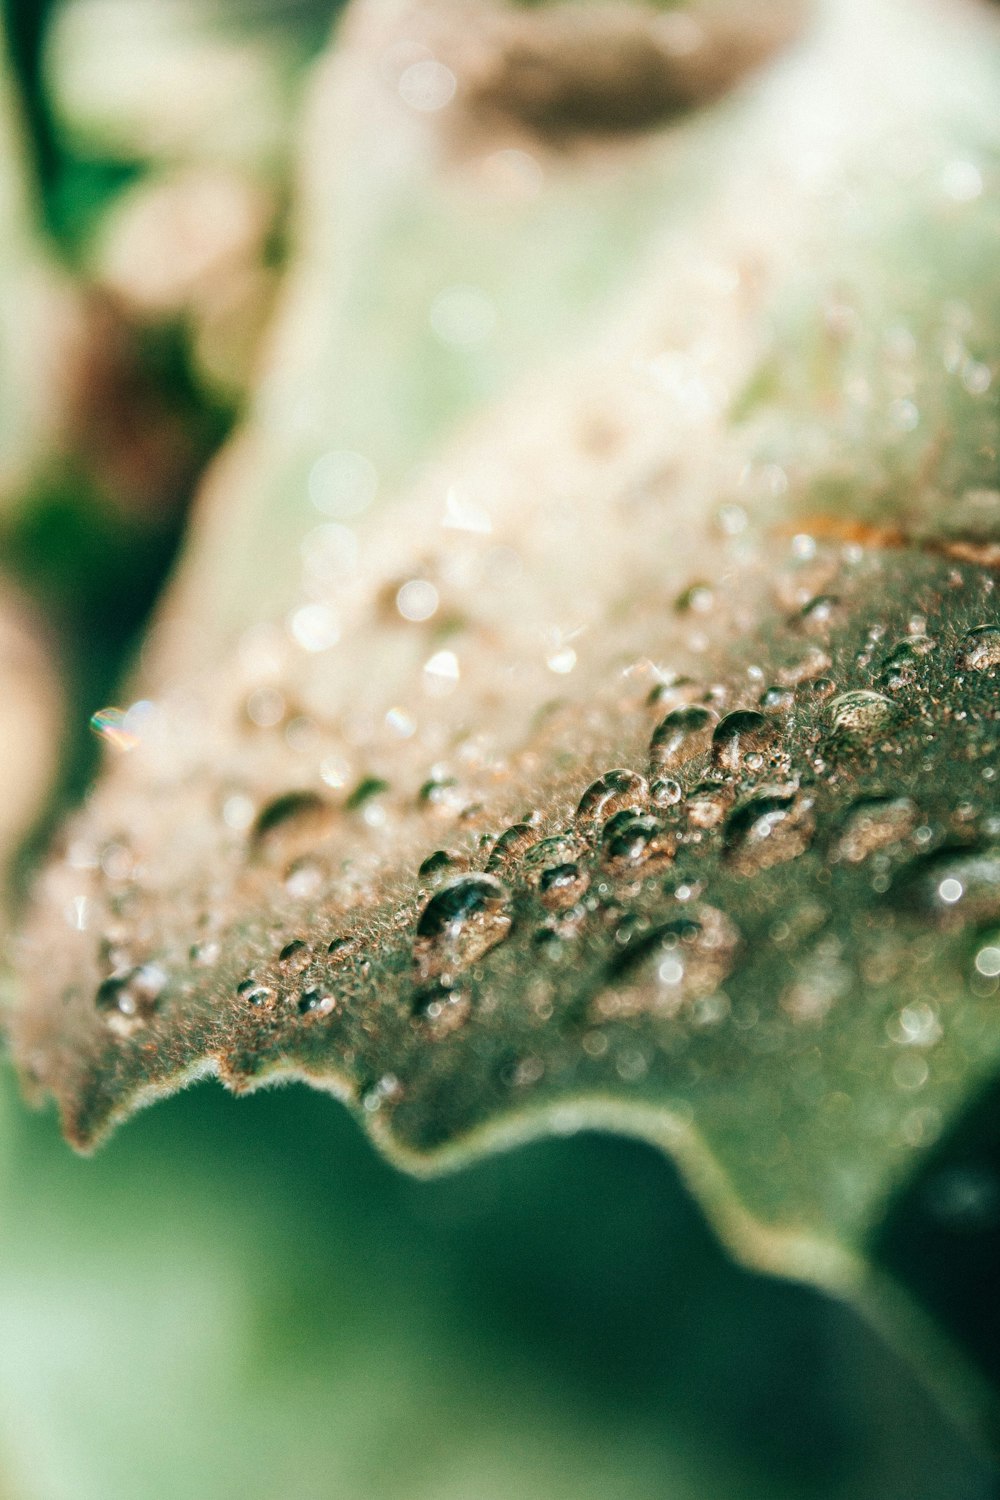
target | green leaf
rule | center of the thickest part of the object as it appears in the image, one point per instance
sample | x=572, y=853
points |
x=686, y=656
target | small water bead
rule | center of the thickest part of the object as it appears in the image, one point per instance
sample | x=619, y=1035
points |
x=295, y=956
x=298, y=811
x=707, y=804
x=559, y=849
x=683, y=734
x=776, y=825
x=462, y=921
x=304, y=878
x=777, y=699
x=612, y=793
x=874, y=823
x=742, y=739
x=665, y=792
x=987, y=960
x=441, y=1008
x=563, y=885
x=340, y=949
x=128, y=999
x=313, y=1004
x=862, y=716
x=675, y=692
x=633, y=839
x=205, y=954
x=439, y=865
x=511, y=845
x=251, y=992
x=901, y=667
x=697, y=597
x=821, y=614
x=816, y=690
x=682, y=960
x=979, y=650
x=953, y=885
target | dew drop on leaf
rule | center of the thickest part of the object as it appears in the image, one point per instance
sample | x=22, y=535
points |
x=742, y=739
x=683, y=734
x=861, y=716
x=631, y=840
x=612, y=793
x=874, y=823
x=562, y=885
x=294, y=956
x=979, y=650
x=127, y=1000
x=775, y=825
x=465, y=918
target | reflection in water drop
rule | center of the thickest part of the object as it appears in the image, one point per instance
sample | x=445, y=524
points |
x=128, y=999
x=742, y=739
x=953, y=885
x=683, y=734
x=861, y=716
x=563, y=885
x=874, y=823
x=776, y=825
x=466, y=918
x=664, y=970
x=612, y=793
x=979, y=650
x=631, y=840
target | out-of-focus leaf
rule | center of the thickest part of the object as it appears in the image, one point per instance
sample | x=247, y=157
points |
x=685, y=659
x=246, y=1301
x=172, y=80
x=29, y=727
x=440, y=252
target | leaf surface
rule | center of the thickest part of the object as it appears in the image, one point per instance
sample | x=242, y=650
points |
x=636, y=765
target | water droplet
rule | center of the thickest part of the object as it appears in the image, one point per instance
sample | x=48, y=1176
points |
x=707, y=804
x=367, y=788
x=128, y=999
x=205, y=954
x=665, y=792
x=298, y=811
x=341, y=949
x=979, y=650
x=988, y=961
x=562, y=885
x=874, y=823
x=952, y=885
x=465, y=919
x=776, y=825
x=676, y=963
x=559, y=849
x=861, y=716
x=631, y=839
x=777, y=699
x=313, y=1004
x=304, y=878
x=295, y=956
x=256, y=994
x=439, y=865
x=816, y=690
x=901, y=668
x=441, y=1008
x=742, y=739
x=510, y=845
x=612, y=793
x=683, y=734
x=821, y=614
